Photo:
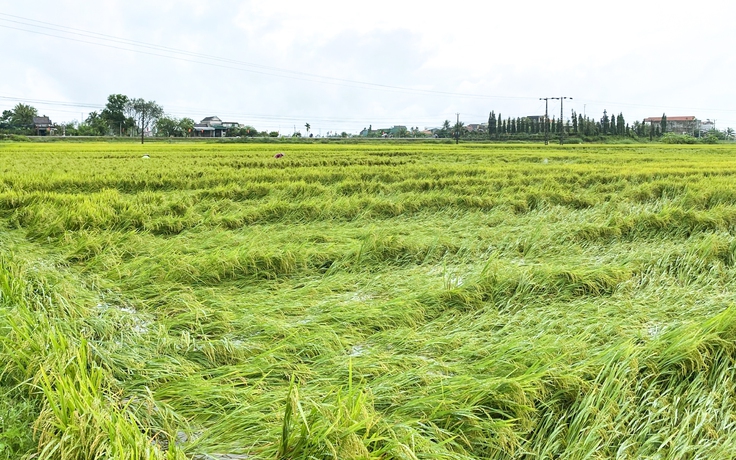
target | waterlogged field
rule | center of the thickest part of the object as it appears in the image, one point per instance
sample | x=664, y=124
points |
x=370, y=301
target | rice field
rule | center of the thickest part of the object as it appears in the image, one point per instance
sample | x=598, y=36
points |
x=367, y=301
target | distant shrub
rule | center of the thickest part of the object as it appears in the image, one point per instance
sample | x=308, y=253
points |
x=620, y=140
x=14, y=138
x=672, y=138
x=709, y=139
x=573, y=140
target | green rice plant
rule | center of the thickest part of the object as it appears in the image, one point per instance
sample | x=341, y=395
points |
x=16, y=415
x=343, y=425
x=413, y=301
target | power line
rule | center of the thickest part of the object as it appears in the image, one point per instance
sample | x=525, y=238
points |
x=193, y=57
x=562, y=116
x=250, y=117
x=656, y=106
x=546, y=118
x=56, y=103
x=216, y=61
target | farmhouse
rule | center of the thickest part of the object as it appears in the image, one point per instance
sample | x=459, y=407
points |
x=678, y=125
x=42, y=125
x=213, y=127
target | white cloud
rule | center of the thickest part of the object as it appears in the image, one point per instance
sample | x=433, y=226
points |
x=628, y=56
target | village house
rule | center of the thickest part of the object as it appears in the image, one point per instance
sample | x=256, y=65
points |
x=678, y=125
x=472, y=127
x=42, y=126
x=213, y=127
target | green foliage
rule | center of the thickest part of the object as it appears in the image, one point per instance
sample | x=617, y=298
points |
x=710, y=139
x=717, y=135
x=145, y=113
x=117, y=114
x=16, y=416
x=22, y=115
x=14, y=138
x=94, y=125
x=172, y=127
x=672, y=138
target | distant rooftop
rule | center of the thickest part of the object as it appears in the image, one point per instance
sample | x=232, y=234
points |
x=659, y=119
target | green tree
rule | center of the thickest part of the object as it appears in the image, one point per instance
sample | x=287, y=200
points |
x=145, y=114
x=718, y=135
x=168, y=127
x=187, y=126
x=116, y=115
x=605, y=122
x=446, y=128
x=249, y=131
x=22, y=115
x=93, y=125
x=459, y=129
x=613, y=129
x=69, y=129
x=663, y=123
x=491, y=125
x=581, y=125
x=308, y=127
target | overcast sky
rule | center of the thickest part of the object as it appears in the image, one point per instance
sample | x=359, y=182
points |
x=347, y=65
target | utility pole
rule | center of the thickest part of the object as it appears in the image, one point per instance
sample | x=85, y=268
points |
x=546, y=118
x=562, y=124
x=457, y=129
x=143, y=124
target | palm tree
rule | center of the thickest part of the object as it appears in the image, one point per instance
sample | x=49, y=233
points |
x=459, y=129
x=446, y=128
x=729, y=133
x=307, y=125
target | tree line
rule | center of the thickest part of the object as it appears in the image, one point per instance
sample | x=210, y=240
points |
x=121, y=116
x=126, y=116
x=583, y=127
x=577, y=124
